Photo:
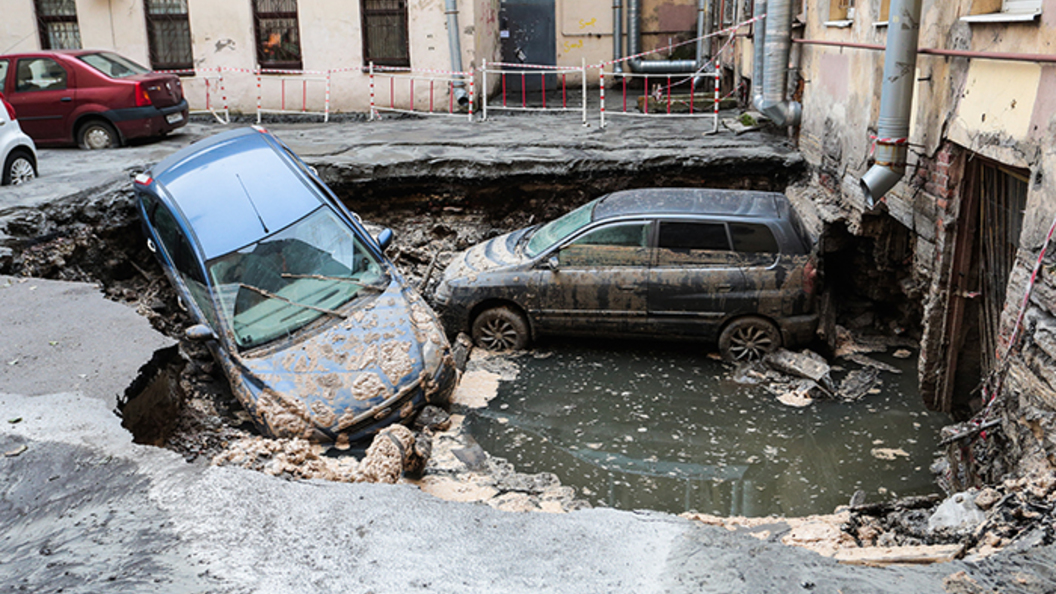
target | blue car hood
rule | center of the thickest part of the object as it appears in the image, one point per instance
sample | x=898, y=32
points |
x=347, y=373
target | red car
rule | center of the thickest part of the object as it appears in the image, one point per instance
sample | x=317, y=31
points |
x=95, y=99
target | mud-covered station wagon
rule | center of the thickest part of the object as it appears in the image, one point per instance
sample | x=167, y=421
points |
x=728, y=266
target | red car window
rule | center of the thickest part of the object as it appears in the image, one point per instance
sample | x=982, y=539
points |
x=39, y=74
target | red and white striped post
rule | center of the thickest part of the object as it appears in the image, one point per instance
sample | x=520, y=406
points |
x=472, y=92
x=326, y=105
x=258, y=95
x=371, y=92
x=601, y=88
x=718, y=69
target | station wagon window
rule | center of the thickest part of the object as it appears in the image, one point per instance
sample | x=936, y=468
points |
x=692, y=244
x=39, y=74
x=57, y=24
x=753, y=238
x=614, y=245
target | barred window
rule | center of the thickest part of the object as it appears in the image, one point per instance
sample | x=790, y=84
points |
x=385, y=32
x=57, y=24
x=169, y=33
x=278, y=35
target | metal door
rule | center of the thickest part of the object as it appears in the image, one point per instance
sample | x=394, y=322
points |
x=528, y=37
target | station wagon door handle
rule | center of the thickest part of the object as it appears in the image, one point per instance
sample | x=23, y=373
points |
x=626, y=287
x=66, y=99
x=725, y=288
x=150, y=246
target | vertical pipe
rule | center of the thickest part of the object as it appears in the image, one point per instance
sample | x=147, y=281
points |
x=716, y=99
x=701, y=8
x=617, y=34
x=484, y=88
x=896, y=101
x=759, y=55
x=775, y=78
x=454, y=44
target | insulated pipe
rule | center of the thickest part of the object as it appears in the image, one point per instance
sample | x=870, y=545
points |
x=775, y=73
x=759, y=57
x=455, y=45
x=634, y=45
x=617, y=34
x=702, y=7
x=896, y=101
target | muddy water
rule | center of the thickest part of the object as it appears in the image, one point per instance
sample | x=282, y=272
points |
x=664, y=427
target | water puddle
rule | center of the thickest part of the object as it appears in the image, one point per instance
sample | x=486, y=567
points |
x=664, y=427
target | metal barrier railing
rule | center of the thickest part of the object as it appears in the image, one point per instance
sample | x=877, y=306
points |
x=283, y=77
x=536, y=100
x=212, y=85
x=444, y=82
x=660, y=100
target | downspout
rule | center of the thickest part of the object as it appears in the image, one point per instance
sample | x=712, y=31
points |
x=759, y=57
x=896, y=101
x=617, y=34
x=775, y=76
x=634, y=45
x=455, y=45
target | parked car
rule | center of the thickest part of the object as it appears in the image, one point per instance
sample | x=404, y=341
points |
x=17, y=151
x=95, y=99
x=318, y=333
x=736, y=267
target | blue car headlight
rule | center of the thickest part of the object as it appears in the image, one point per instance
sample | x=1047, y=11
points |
x=432, y=355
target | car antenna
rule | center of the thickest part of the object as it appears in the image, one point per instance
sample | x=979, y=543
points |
x=250, y=198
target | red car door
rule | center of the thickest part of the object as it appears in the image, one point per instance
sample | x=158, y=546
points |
x=44, y=96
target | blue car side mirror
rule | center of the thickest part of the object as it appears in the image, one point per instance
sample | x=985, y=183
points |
x=199, y=333
x=385, y=238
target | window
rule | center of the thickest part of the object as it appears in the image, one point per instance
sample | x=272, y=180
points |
x=885, y=11
x=982, y=11
x=693, y=244
x=57, y=23
x=751, y=238
x=278, y=36
x=615, y=245
x=169, y=34
x=4, y=65
x=39, y=74
x=385, y=32
x=840, y=10
x=113, y=65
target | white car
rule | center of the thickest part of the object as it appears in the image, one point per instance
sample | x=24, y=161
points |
x=17, y=151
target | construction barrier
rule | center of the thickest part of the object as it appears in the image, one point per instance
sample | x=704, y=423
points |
x=430, y=83
x=526, y=75
x=205, y=87
x=293, y=85
x=659, y=97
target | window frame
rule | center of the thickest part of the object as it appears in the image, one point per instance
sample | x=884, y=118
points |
x=365, y=13
x=153, y=40
x=26, y=61
x=43, y=20
x=260, y=16
x=1011, y=11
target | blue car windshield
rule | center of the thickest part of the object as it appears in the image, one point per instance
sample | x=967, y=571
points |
x=558, y=229
x=271, y=288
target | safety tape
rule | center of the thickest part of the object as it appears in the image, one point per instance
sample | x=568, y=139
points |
x=730, y=29
x=877, y=140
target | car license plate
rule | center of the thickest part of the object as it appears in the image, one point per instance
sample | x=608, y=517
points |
x=172, y=118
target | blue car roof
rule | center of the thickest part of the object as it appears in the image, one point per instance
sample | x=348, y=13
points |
x=235, y=188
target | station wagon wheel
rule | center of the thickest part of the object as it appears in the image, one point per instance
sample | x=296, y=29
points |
x=500, y=329
x=749, y=339
x=18, y=169
x=98, y=134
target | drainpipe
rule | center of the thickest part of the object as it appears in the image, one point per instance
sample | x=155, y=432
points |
x=634, y=45
x=759, y=59
x=455, y=45
x=617, y=34
x=775, y=75
x=896, y=101
x=702, y=6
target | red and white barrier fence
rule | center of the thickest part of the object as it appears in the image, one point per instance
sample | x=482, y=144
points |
x=293, y=89
x=419, y=91
x=207, y=85
x=659, y=90
x=535, y=100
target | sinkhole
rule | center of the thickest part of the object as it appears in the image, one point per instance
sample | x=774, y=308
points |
x=627, y=424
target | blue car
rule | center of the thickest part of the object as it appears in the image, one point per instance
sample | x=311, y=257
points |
x=318, y=333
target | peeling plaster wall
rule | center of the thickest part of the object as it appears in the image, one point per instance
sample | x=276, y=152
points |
x=222, y=35
x=1004, y=111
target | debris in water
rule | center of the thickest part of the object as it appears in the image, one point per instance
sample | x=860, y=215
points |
x=17, y=451
x=858, y=383
x=889, y=453
x=870, y=362
x=902, y=354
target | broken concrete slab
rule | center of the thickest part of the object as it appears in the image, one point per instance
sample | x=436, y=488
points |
x=804, y=364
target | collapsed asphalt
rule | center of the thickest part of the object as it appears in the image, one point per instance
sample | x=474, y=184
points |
x=84, y=509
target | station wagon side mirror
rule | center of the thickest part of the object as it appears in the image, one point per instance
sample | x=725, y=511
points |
x=551, y=263
x=199, y=333
x=385, y=238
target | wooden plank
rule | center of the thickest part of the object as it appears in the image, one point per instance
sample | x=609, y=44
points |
x=910, y=555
